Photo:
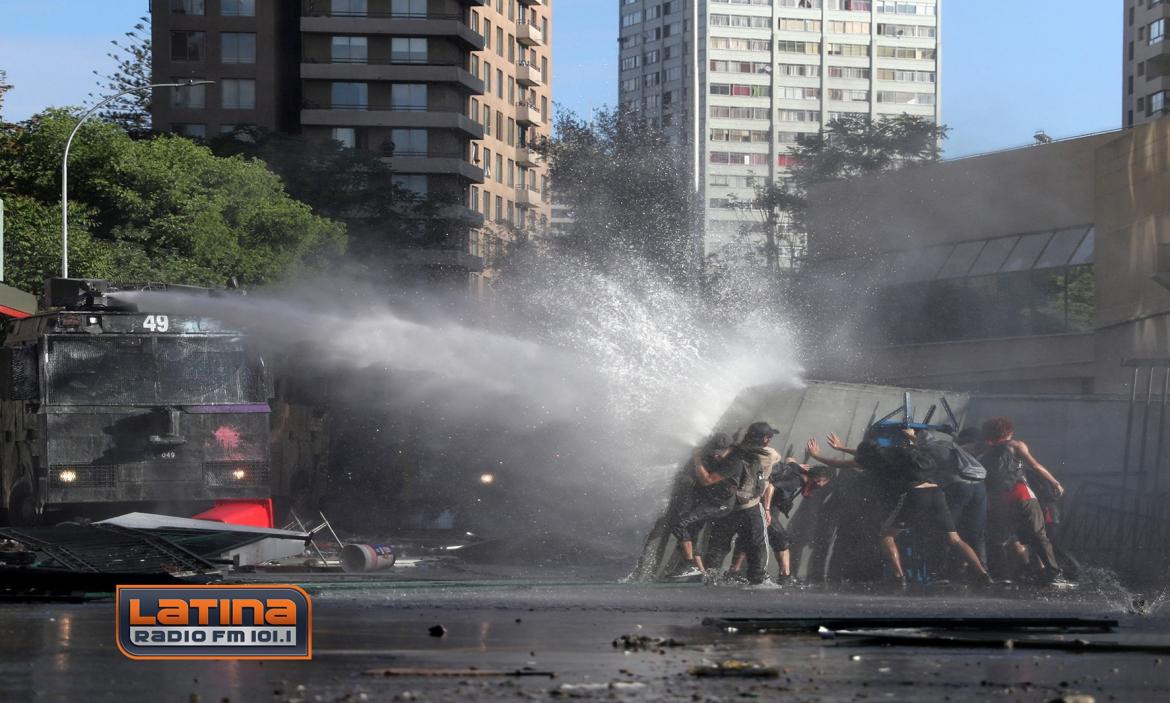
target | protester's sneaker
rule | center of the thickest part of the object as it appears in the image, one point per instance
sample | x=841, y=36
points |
x=765, y=585
x=1059, y=582
x=734, y=578
x=688, y=573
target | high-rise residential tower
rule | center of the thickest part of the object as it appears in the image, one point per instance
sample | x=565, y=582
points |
x=739, y=80
x=1147, y=61
x=451, y=92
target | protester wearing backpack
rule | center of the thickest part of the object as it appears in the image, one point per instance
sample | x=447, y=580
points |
x=902, y=468
x=1015, y=518
x=961, y=477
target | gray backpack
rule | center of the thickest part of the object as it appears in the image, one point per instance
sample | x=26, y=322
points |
x=968, y=466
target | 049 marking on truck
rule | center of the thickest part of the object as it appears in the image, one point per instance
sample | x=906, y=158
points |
x=156, y=323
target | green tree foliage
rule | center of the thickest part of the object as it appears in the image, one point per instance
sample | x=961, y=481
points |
x=132, y=58
x=851, y=146
x=360, y=191
x=855, y=144
x=163, y=209
x=32, y=243
x=629, y=190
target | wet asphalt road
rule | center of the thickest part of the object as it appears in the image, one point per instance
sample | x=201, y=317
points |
x=67, y=652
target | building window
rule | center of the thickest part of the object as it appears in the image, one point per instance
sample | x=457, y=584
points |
x=847, y=49
x=733, y=158
x=925, y=8
x=905, y=52
x=859, y=96
x=1157, y=32
x=348, y=8
x=408, y=50
x=349, y=96
x=237, y=8
x=850, y=5
x=409, y=142
x=408, y=96
x=238, y=47
x=904, y=98
x=192, y=131
x=187, y=46
x=192, y=97
x=239, y=132
x=1156, y=103
x=346, y=136
x=187, y=7
x=414, y=182
x=1014, y=304
x=739, y=89
x=349, y=50
x=499, y=168
x=238, y=93
x=798, y=47
x=408, y=8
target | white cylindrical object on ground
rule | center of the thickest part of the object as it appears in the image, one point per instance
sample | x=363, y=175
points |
x=356, y=558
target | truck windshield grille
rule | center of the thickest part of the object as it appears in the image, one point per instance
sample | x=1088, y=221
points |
x=152, y=370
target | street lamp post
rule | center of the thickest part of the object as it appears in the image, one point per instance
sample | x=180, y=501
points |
x=65, y=160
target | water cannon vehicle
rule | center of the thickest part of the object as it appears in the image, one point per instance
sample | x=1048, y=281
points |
x=107, y=406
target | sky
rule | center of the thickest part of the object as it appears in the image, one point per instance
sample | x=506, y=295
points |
x=1010, y=67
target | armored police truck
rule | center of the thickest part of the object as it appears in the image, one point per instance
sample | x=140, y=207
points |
x=106, y=407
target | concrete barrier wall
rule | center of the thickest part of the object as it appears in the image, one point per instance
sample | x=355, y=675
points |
x=822, y=407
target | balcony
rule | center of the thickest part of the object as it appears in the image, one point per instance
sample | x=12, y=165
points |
x=528, y=114
x=438, y=258
x=420, y=25
x=526, y=156
x=535, y=3
x=529, y=34
x=529, y=197
x=388, y=116
x=450, y=164
x=527, y=74
x=389, y=70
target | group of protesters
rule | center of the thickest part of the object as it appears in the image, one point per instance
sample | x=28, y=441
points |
x=972, y=506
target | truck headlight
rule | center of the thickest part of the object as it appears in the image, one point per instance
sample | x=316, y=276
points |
x=67, y=476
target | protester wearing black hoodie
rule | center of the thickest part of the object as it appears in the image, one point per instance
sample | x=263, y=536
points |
x=747, y=523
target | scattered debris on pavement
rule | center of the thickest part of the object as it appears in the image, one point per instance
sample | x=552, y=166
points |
x=740, y=668
x=642, y=642
x=416, y=672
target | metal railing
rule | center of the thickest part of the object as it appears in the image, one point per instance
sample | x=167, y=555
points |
x=381, y=61
x=1120, y=529
x=425, y=154
x=360, y=107
x=326, y=12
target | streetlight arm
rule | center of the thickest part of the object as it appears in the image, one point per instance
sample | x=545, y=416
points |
x=65, y=160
